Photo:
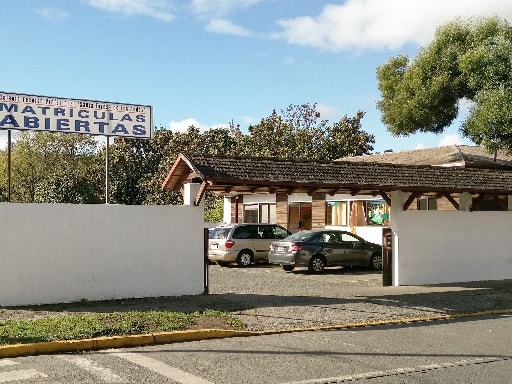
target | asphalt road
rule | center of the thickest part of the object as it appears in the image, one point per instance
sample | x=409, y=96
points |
x=474, y=350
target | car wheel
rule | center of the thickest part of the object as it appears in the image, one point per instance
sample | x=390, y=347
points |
x=288, y=268
x=376, y=261
x=223, y=263
x=244, y=258
x=316, y=264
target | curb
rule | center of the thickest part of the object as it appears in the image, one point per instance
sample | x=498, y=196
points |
x=51, y=347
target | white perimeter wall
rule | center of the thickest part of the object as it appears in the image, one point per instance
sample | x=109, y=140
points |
x=451, y=246
x=55, y=253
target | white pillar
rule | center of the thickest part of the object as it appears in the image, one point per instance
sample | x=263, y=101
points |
x=190, y=193
x=226, y=216
x=398, y=198
x=465, y=202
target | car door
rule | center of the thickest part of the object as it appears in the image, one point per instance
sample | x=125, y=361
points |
x=332, y=247
x=355, y=253
x=244, y=236
x=262, y=242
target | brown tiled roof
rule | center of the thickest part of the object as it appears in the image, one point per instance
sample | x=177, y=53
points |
x=250, y=174
x=467, y=156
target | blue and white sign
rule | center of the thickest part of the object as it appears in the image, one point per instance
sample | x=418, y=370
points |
x=54, y=114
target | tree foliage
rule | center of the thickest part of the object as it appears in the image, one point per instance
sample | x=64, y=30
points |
x=467, y=60
x=54, y=168
x=300, y=133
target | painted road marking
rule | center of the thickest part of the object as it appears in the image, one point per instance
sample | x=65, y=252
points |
x=5, y=363
x=396, y=371
x=24, y=374
x=95, y=369
x=163, y=369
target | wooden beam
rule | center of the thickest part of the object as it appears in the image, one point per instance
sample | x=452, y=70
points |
x=501, y=203
x=411, y=198
x=200, y=193
x=451, y=200
x=386, y=197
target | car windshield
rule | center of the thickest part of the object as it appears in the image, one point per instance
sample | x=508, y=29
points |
x=301, y=236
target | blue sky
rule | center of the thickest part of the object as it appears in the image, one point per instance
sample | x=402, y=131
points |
x=208, y=62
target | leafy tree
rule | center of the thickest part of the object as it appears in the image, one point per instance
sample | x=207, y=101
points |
x=299, y=132
x=138, y=167
x=44, y=163
x=469, y=60
x=3, y=176
x=131, y=163
x=345, y=138
x=67, y=188
x=214, y=141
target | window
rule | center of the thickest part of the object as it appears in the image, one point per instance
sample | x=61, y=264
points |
x=427, y=204
x=280, y=232
x=377, y=213
x=347, y=238
x=336, y=213
x=250, y=213
x=246, y=232
x=267, y=213
x=260, y=213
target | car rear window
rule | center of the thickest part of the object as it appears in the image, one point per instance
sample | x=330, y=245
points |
x=301, y=236
x=221, y=233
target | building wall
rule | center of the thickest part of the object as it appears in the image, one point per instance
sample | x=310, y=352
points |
x=452, y=246
x=55, y=253
x=282, y=209
x=318, y=210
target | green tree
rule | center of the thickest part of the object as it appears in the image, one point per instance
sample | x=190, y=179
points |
x=300, y=133
x=215, y=141
x=45, y=166
x=467, y=60
x=132, y=162
x=3, y=176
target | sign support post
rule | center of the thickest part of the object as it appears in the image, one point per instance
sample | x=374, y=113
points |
x=8, y=165
x=107, y=165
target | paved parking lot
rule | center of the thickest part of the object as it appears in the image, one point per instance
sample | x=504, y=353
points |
x=274, y=299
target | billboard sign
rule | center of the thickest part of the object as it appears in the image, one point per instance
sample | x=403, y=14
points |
x=55, y=114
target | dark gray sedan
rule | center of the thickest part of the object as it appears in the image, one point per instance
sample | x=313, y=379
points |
x=320, y=248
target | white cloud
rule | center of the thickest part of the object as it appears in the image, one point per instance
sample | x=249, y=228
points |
x=382, y=24
x=54, y=15
x=154, y=8
x=249, y=120
x=452, y=139
x=183, y=125
x=220, y=7
x=226, y=27
x=327, y=112
x=289, y=60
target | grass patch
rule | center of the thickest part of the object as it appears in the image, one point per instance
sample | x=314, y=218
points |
x=77, y=327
